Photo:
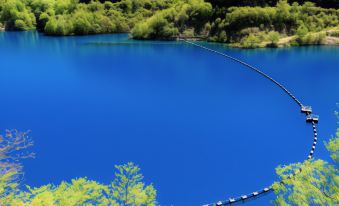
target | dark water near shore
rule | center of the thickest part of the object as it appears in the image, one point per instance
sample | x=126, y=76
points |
x=202, y=128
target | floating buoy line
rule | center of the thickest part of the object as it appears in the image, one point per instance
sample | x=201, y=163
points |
x=307, y=110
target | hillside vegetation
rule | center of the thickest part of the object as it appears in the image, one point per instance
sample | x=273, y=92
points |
x=253, y=26
x=241, y=23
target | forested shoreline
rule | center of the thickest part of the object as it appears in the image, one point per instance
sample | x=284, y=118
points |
x=244, y=23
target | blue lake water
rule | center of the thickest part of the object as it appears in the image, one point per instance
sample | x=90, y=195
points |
x=201, y=127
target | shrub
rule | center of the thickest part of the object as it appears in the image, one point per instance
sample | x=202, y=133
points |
x=273, y=37
x=250, y=42
x=317, y=38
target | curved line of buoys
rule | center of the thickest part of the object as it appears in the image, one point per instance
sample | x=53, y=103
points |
x=312, y=119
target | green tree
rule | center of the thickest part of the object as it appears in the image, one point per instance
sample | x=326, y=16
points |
x=283, y=15
x=128, y=188
x=316, y=182
x=60, y=25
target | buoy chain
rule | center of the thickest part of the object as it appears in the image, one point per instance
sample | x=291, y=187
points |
x=266, y=190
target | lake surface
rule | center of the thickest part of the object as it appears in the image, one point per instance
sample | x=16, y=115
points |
x=201, y=127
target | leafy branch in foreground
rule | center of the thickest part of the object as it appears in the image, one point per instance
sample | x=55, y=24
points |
x=13, y=148
x=127, y=189
x=316, y=181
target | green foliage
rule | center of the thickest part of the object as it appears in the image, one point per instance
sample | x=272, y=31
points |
x=13, y=148
x=305, y=38
x=155, y=27
x=92, y=18
x=302, y=30
x=16, y=15
x=8, y=186
x=58, y=26
x=283, y=18
x=251, y=41
x=227, y=21
x=69, y=17
x=273, y=37
x=95, y=17
x=183, y=17
x=333, y=145
x=316, y=182
x=333, y=33
x=308, y=39
x=128, y=188
x=229, y=3
x=78, y=192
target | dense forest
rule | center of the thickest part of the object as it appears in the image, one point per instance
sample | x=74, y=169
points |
x=241, y=23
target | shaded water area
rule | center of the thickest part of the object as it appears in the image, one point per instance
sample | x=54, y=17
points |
x=202, y=128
